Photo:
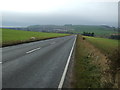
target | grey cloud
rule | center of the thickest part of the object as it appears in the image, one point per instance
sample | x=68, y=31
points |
x=93, y=14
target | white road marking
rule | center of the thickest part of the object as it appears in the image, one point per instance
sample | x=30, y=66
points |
x=32, y=50
x=66, y=67
x=0, y=62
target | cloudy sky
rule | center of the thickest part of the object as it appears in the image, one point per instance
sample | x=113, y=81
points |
x=59, y=12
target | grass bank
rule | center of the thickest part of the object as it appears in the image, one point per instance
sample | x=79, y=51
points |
x=86, y=71
x=105, y=45
x=111, y=66
x=12, y=37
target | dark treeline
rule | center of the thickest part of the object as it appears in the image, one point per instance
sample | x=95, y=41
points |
x=117, y=36
x=88, y=34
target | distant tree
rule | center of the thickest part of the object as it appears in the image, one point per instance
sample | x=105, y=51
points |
x=88, y=34
x=92, y=34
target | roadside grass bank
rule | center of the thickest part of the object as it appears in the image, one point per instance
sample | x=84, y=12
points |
x=87, y=74
x=106, y=46
x=13, y=37
x=111, y=66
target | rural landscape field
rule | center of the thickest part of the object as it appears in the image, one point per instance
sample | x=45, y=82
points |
x=10, y=37
x=60, y=44
x=96, y=60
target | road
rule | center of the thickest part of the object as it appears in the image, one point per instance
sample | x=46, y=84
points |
x=36, y=65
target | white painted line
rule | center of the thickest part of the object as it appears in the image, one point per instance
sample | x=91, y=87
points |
x=32, y=50
x=0, y=62
x=66, y=67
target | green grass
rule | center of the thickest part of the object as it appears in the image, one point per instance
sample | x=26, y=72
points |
x=111, y=49
x=98, y=30
x=105, y=45
x=86, y=74
x=10, y=36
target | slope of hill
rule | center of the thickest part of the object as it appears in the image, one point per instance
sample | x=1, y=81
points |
x=103, y=31
x=98, y=30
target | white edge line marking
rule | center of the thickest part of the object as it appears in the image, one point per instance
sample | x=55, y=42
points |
x=32, y=50
x=66, y=67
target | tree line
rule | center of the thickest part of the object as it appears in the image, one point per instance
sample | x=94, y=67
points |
x=88, y=34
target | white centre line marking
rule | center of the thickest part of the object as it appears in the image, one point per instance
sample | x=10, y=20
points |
x=32, y=50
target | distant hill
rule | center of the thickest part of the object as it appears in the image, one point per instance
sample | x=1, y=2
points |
x=98, y=30
x=101, y=30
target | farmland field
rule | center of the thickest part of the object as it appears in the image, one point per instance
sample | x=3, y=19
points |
x=10, y=36
x=105, y=45
x=98, y=30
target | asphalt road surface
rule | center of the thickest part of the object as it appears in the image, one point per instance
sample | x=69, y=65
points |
x=37, y=64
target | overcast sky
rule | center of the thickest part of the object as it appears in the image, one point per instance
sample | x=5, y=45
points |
x=59, y=12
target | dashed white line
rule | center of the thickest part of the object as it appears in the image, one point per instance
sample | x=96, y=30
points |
x=66, y=67
x=32, y=50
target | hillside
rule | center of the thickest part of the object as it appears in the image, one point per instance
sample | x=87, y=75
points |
x=99, y=30
x=103, y=31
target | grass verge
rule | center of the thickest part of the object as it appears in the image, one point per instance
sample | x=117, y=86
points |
x=86, y=73
x=111, y=50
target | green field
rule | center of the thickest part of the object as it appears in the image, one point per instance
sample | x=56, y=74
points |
x=10, y=36
x=98, y=30
x=105, y=45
